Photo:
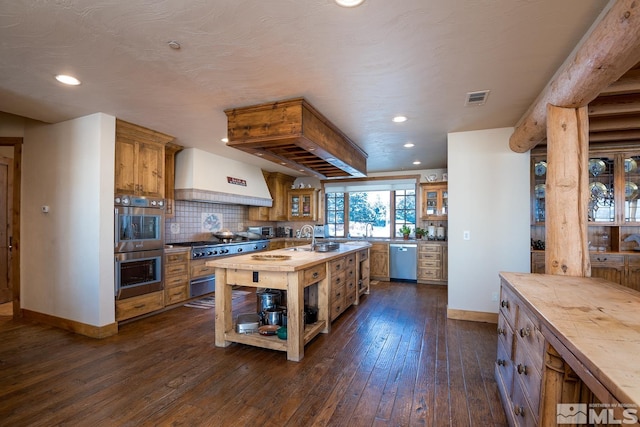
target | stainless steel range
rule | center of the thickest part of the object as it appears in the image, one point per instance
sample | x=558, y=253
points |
x=210, y=249
x=202, y=280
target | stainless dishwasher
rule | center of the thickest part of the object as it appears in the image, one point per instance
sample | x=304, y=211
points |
x=403, y=261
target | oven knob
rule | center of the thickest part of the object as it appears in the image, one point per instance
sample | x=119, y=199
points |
x=117, y=200
x=125, y=200
x=210, y=253
x=224, y=251
x=239, y=249
x=153, y=203
x=161, y=203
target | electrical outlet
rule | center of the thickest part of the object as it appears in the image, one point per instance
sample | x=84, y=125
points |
x=466, y=235
x=175, y=228
x=494, y=296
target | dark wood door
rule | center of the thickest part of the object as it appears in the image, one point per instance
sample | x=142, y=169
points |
x=5, y=229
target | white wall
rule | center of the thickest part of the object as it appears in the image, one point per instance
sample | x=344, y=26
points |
x=67, y=254
x=489, y=197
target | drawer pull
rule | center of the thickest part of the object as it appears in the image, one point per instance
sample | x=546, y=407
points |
x=139, y=306
x=601, y=259
x=501, y=362
x=519, y=410
x=315, y=275
x=525, y=332
x=502, y=331
x=522, y=369
x=504, y=303
x=338, y=280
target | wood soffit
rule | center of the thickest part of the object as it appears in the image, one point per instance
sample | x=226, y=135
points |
x=294, y=134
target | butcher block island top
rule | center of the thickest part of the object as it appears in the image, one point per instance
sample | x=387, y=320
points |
x=593, y=324
x=292, y=270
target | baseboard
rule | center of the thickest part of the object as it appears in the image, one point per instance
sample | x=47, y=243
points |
x=473, y=316
x=71, y=325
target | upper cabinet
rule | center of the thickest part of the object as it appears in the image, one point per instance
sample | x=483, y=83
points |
x=279, y=185
x=139, y=160
x=614, y=182
x=302, y=204
x=435, y=201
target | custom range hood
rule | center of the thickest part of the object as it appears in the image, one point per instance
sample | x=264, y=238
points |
x=206, y=177
x=294, y=134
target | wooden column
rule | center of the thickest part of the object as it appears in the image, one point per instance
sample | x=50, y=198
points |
x=567, y=249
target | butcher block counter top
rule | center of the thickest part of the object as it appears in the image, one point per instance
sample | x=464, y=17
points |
x=298, y=258
x=593, y=324
x=298, y=271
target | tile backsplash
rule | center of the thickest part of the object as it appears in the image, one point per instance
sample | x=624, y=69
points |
x=195, y=221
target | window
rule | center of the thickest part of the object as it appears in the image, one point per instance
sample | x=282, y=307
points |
x=334, y=214
x=375, y=208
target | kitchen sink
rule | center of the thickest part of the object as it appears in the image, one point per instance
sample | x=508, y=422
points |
x=299, y=249
x=327, y=246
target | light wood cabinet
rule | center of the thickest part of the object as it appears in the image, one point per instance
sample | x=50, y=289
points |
x=632, y=273
x=362, y=274
x=176, y=275
x=537, y=262
x=301, y=204
x=379, y=261
x=139, y=160
x=608, y=266
x=432, y=262
x=279, y=185
x=342, y=285
x=434, y=201
x=170, y=151
x=137, y=306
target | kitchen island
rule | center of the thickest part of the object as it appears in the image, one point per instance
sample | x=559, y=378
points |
x=291, y=270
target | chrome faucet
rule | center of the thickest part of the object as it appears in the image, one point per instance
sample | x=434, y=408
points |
x=313, y=234
x=368, y=230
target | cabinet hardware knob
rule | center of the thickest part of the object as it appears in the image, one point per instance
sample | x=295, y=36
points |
x=525, y=332
x=315, y=274
x=504, y=303
x=501, y=362
x=502, y=331
x=522, y=369
x=519, y=410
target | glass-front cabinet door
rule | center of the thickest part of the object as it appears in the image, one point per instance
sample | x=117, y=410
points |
x=302, y=205
x=602, y=202
x=631, y=185
x=539, y=188
x=435, y=201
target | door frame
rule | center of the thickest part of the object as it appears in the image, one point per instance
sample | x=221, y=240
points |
x=16, y=142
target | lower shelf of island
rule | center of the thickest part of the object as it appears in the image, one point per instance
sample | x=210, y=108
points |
x=272, y=342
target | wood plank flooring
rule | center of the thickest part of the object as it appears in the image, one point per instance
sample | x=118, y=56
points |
x=394, y=360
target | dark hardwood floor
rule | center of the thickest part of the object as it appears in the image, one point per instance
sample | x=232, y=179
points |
x=395, y=360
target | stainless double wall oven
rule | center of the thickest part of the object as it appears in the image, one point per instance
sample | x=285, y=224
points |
x=138, y=247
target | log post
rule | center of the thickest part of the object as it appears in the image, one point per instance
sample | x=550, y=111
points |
x=566, y=192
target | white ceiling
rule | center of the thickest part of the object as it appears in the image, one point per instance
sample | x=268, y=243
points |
x=359, y=67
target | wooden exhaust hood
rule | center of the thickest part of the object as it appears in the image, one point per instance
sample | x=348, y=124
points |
x=294, y=134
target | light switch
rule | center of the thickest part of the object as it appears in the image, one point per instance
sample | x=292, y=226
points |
x=466, y=235
x=45, y=209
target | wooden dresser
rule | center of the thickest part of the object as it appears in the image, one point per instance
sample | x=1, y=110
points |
x=567, y=340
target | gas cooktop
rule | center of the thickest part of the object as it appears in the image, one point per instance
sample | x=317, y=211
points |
x=216, y=248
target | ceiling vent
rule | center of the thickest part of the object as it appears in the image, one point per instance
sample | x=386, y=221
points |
x=477, y=98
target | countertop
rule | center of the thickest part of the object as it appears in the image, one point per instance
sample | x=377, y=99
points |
x=357, y=239
x=598, y=321
x=299, y=259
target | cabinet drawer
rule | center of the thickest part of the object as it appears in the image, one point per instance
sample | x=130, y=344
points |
x=606, y=260
x=350, y=261
x=505, y=335
x=173, y=281
x=337, y=266
x=349, y=299
x=201, y=270
x=429, y=263
x=337, y=307
x=173, y=269
x=314, y=274
x=429, y=255
x=364, y=255
x=429, y=248
x=429, y=273
x=176, y=257
x=526, y=371
x=529, y=337
x=136, y=306
x=524, y=415
x=176, y=295
x=337, y=287
x=504, y=367
x=508, y=305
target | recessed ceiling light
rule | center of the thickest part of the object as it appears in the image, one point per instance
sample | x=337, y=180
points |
x=409, y=145
x=68, y=80
x=399, y=119
x=349, y=3
x=225, y=140
x=417, y=162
